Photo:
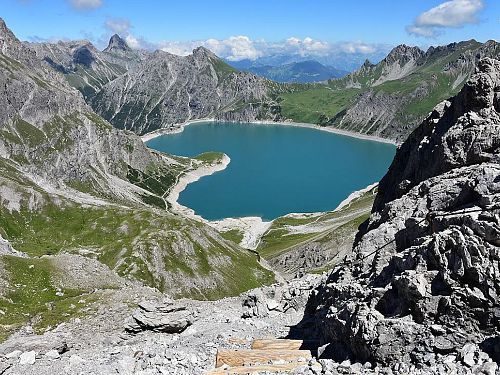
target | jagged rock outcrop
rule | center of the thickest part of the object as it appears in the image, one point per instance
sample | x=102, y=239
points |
x=84, y=66
x=279, y=298
x=422, y=281
x=117, y=45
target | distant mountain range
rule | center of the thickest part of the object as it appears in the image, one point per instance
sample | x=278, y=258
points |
x=143, y=91
x=391, y=98
x=342, y=61
x=298, y=72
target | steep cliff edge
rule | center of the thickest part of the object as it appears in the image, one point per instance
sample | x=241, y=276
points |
x=421, y=285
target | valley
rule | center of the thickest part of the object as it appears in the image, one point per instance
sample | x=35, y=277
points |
x=203, y=212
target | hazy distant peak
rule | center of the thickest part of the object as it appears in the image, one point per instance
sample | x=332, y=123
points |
x=117, y=43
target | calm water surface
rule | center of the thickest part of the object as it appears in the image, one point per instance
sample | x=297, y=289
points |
x=275, y=169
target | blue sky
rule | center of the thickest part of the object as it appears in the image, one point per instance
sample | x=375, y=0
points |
x=239, y=29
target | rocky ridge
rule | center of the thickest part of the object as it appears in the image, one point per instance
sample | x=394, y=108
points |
x=396, y=94
x=168, y=89
x=420, y=289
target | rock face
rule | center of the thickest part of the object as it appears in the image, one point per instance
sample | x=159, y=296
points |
x=422, y=281
x=117, y=44
x=168, y=317
x=167, y=89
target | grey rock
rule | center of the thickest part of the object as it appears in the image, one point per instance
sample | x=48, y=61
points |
x=52, y=354
x=254, y=305
x=167, y=317
x=14, y=354
x=27, y=358
x=489, y=368
x=468, y=354
x=76, y=360
x=421, y=279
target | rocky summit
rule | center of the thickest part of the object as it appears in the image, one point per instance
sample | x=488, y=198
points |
x=421, y=289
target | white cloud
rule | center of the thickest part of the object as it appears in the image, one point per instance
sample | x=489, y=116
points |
x=117, y=25
x=307, y=45
x=453, y=13
x=133, y=42
x=233, y=48
x=242, y=47
x=86, y=4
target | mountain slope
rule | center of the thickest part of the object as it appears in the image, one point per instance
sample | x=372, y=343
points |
x=73, y=185
x=422, y=280
x=390, y=98
x=167, y=89
x=84, y=66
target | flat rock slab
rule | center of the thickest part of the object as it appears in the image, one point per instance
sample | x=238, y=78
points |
x=166, y=317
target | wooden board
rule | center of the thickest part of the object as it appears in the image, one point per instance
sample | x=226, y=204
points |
x=255, y=369
x=258, y=356
x=274, y=344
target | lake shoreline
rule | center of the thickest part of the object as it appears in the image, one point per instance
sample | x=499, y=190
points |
x=179, y=128
x=252, y=227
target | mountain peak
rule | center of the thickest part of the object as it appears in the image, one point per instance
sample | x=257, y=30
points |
x=367, y=64
x=404, y=53
x=116, y=43
x=5, y=33
x=203, y=51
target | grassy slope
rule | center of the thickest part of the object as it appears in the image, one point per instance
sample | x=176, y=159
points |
x=137, y=241
x=323, y=104
x=32, y=296
x=315, y=105
x=330, y=227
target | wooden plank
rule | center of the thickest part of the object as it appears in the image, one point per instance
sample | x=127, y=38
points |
x=255, y=369
x=243, y=357
x=277, y=344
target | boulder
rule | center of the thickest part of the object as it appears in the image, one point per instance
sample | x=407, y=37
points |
x=167, y=316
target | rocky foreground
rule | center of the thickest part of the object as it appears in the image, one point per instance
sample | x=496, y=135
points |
x=420, y=291
x=140, y=331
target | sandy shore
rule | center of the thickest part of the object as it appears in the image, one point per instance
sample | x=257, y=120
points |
x=252, y=227
x=190, y=177
x=178, y=128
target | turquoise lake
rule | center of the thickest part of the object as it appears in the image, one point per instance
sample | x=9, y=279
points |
x=275, y=169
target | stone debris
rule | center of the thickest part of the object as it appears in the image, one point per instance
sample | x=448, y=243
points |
x=27, y=358
x=167, y=317
x=52, y=354
x=279, y=298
